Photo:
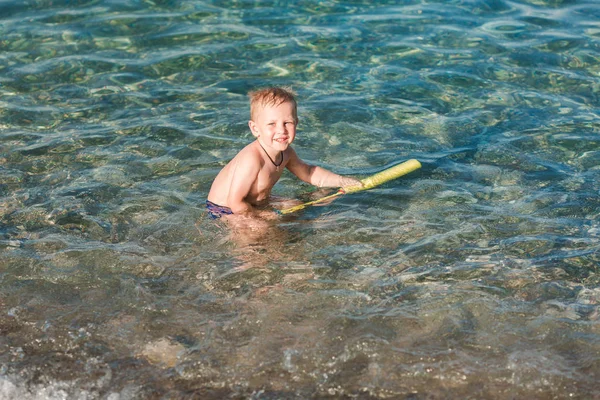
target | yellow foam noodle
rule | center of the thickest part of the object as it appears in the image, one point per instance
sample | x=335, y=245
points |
x=368, y=183
x=385, y=176
x=310, y=203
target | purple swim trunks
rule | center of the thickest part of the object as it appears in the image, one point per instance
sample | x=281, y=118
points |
x=216, y=211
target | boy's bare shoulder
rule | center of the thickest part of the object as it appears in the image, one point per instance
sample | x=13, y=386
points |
x=249, y=155
x=290, y=151
x=291, y=155
x=250, y=150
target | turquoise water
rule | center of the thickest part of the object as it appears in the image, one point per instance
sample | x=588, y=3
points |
x=474, y=277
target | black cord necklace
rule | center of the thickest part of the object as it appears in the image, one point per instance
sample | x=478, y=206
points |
x=276, y=165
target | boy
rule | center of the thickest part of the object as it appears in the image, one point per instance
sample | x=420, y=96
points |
x=246, y=181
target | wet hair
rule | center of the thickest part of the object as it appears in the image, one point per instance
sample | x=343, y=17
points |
x=272, y=96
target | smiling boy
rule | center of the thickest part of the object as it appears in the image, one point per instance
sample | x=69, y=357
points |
x=246, y=181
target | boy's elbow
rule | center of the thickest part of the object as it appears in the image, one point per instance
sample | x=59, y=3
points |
x=311, y=176
x=239, y=207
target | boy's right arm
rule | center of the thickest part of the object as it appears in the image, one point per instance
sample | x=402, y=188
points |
x=244, y=175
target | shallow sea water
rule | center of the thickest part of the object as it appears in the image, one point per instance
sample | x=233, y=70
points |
x=474, y=277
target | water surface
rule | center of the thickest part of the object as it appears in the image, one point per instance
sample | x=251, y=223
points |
x=475, y=277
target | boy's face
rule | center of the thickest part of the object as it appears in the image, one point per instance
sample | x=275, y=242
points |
x=275, y=126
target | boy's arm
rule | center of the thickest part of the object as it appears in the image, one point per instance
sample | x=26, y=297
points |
x=316, y=175
x=244, y=175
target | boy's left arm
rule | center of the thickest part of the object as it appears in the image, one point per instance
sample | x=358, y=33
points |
x=316, y=175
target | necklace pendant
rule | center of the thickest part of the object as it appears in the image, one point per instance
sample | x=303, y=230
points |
x=272, y=162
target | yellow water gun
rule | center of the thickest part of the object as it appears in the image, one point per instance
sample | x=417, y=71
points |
x=368, y=183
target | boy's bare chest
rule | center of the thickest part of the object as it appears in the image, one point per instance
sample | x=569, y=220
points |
x=267, y=178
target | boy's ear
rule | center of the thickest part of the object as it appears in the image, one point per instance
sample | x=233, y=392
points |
x=253, y=128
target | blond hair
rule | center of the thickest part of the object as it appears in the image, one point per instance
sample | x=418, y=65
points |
x=272, y=96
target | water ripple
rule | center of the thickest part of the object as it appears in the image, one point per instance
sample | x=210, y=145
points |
x=476, y=276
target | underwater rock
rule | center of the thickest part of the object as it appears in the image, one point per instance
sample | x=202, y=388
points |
x=162, y=352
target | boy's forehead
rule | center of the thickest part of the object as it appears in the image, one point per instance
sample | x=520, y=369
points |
x=285, y=107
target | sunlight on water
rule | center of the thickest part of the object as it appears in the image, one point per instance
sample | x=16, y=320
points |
x=474, y=277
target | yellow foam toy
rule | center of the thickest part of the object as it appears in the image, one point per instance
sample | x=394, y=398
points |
x=368, y=183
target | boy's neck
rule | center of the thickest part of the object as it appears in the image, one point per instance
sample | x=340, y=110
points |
x=276, y=159
x=267, y=149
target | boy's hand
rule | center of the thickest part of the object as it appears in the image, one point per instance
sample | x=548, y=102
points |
x=350, y=184
x=267, y=215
